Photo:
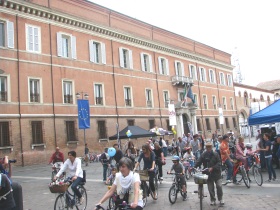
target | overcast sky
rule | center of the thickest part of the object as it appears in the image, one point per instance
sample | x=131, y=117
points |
x=246, y=28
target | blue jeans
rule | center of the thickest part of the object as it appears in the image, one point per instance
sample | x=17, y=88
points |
x=105, y=167
x=270, y=168
x=230, y=169
x=164, y=151
x=75, y=185
x=197, y=154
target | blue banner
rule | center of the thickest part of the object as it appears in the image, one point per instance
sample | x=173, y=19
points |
x=83, y=114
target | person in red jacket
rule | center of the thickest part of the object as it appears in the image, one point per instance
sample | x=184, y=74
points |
x=57, y=156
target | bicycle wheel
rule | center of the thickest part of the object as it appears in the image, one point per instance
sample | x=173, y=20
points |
x=144, y=188
x=172, y=194
x=187, y=173
x=192, y=171
x=200, y=195
x=60, y=203
x=244, y=176
x=83, y=205
x=111, y=203
x=257, y=173
x=155, y=196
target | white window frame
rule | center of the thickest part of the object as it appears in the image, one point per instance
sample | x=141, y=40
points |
x=231, y=103
x=163, y=65
x=33, y=40
x=146, y=62
x=147, y=97
x=71, y=50
x=192, y=70
x=126, y=54
x=212, y=79
x=125, y=96
x=8, y=34
x=222, y=78
x=224, y=103
x=195, y=99
x=97, y=95
x=8, y=88
x=70, y=90
x=202, y=74
x=40, y=90
x=229, y=80
x=181, y=70
x=166, y=98
x=214, y=101
x=205, y=101
x=97, y=52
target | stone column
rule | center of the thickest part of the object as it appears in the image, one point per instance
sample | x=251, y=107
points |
x=193, y=120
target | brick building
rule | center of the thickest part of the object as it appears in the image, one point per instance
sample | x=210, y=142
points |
x=130, y=70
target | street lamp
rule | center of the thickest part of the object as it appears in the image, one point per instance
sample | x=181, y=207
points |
x=83, y=112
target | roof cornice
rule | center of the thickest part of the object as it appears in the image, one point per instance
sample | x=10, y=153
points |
x=55, y=16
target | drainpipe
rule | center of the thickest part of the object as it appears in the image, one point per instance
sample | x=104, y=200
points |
x=19, y=103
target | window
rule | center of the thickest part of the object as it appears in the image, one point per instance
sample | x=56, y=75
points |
x=192, y=70
x=97, y=52
x=181, y=96
x=261, y=98
x=205, y=104
x=234, y=122
x=3, y=89
x=37, y=132
x=127, y=96
x=33, y=38
x=212, y=76
x=130, y=122
x=163, y=66
x=66, y=46
x=102, y=129
x=70, y=131
x=229, y=80
x=6, y=34
x=208, y=126
x=227, y=123
x=34, y=90
x=202, y=74
x=245, y=98
x=179, y=68
x=217, y=123
x=231, y=103
x=67, y=92
x=195, y=99
x=198, y=125
x=268, y=99
x=224, y=103
x=169, y=127
x=4, y=134
x=166, y=98
x=126, y=58
x=98, y=91
x=222, y=78
x=151, y=124
x=214, y=100
x=149, y=100
x=146, y=62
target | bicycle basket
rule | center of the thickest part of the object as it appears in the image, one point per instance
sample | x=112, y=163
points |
x=58, y=188
x=200, y=178
x=144, y=176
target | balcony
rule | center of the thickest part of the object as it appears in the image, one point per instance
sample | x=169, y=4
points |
x=128, y=102
x=181, y=80
x=149, y=103
x=99, y=100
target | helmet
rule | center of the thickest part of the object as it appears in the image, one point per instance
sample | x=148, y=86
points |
x=175, y=158
x=248, y=145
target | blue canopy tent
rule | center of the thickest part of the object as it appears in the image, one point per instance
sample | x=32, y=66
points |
x=268, y=115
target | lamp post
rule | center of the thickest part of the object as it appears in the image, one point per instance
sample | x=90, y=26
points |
x=83, y=112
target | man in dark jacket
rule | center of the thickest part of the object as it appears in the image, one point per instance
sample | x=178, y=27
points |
x=211, y=160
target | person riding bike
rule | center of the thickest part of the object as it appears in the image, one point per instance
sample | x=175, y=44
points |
x=226, y=159
x=159, y=158
x=179, y=168
x=189, y=156
x=57, y=156
x=75, y=172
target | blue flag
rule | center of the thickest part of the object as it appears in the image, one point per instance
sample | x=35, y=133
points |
x=83, y=114
x=190, y=94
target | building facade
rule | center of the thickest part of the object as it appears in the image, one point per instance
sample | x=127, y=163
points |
x=50, y=50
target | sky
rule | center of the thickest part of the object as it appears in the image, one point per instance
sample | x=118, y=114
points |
x=247, y=29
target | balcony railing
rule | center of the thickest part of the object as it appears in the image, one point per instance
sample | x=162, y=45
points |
x=181, y=80
x=99, y=100
x=3, y=96
x=34, y=97
x=128, y=102
x=68, y=99
x=149, y=103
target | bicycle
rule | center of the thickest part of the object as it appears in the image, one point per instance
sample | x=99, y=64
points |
x=55, y=169
x=240, y=173
x=189, y=170
x=254, y=165
x=175, y=188
x=200, y=178
x=67, y=199
x=123, y=206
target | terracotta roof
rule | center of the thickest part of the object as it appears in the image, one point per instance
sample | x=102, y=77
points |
x=270, y=85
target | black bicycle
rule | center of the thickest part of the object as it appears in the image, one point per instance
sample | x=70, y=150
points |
x=123, y=206
x=175, y=188
x=200, y=178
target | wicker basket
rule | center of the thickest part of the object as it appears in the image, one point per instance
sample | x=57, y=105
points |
x=144, y=176
x=200, y=178
x=58, y=188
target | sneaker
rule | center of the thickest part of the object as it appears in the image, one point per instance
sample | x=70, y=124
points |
x=269, y=180
x=228, y=181
x=237, y=183
x=213, y=203
x=154, y=195
x=222, y=202
x=185, y=196
x=161, y=178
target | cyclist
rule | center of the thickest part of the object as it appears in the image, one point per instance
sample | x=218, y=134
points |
x=226, y=159
x=179, y=168
x=159, y=158
x=196, y=146
x=148, y=157
x=111, y=178
x=127, y=186
x=189, y=156
x=57, y=156
x=211, y=160
x=74, y=165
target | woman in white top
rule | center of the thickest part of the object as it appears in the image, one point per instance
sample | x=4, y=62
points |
x=74, y=166
x=127, y=186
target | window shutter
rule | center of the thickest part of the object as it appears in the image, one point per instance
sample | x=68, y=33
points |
x=91, y=51
x=142, y=61
x=176, y=68
x=204, y=73
x=130, y=59
x=183, y=69
x=73, y=47
x=59, y=43
x=36, y=39
x=103, y=53
x=159, y=65
x=10, y=34
x=121, y=57
x=151, y=63
x=167, y=67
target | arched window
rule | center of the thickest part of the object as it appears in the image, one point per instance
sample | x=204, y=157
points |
x=261, y=98
x=276, y=96
x=245, y=98
x=268, y=99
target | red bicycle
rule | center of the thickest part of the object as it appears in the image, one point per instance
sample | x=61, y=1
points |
x=240, y=174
